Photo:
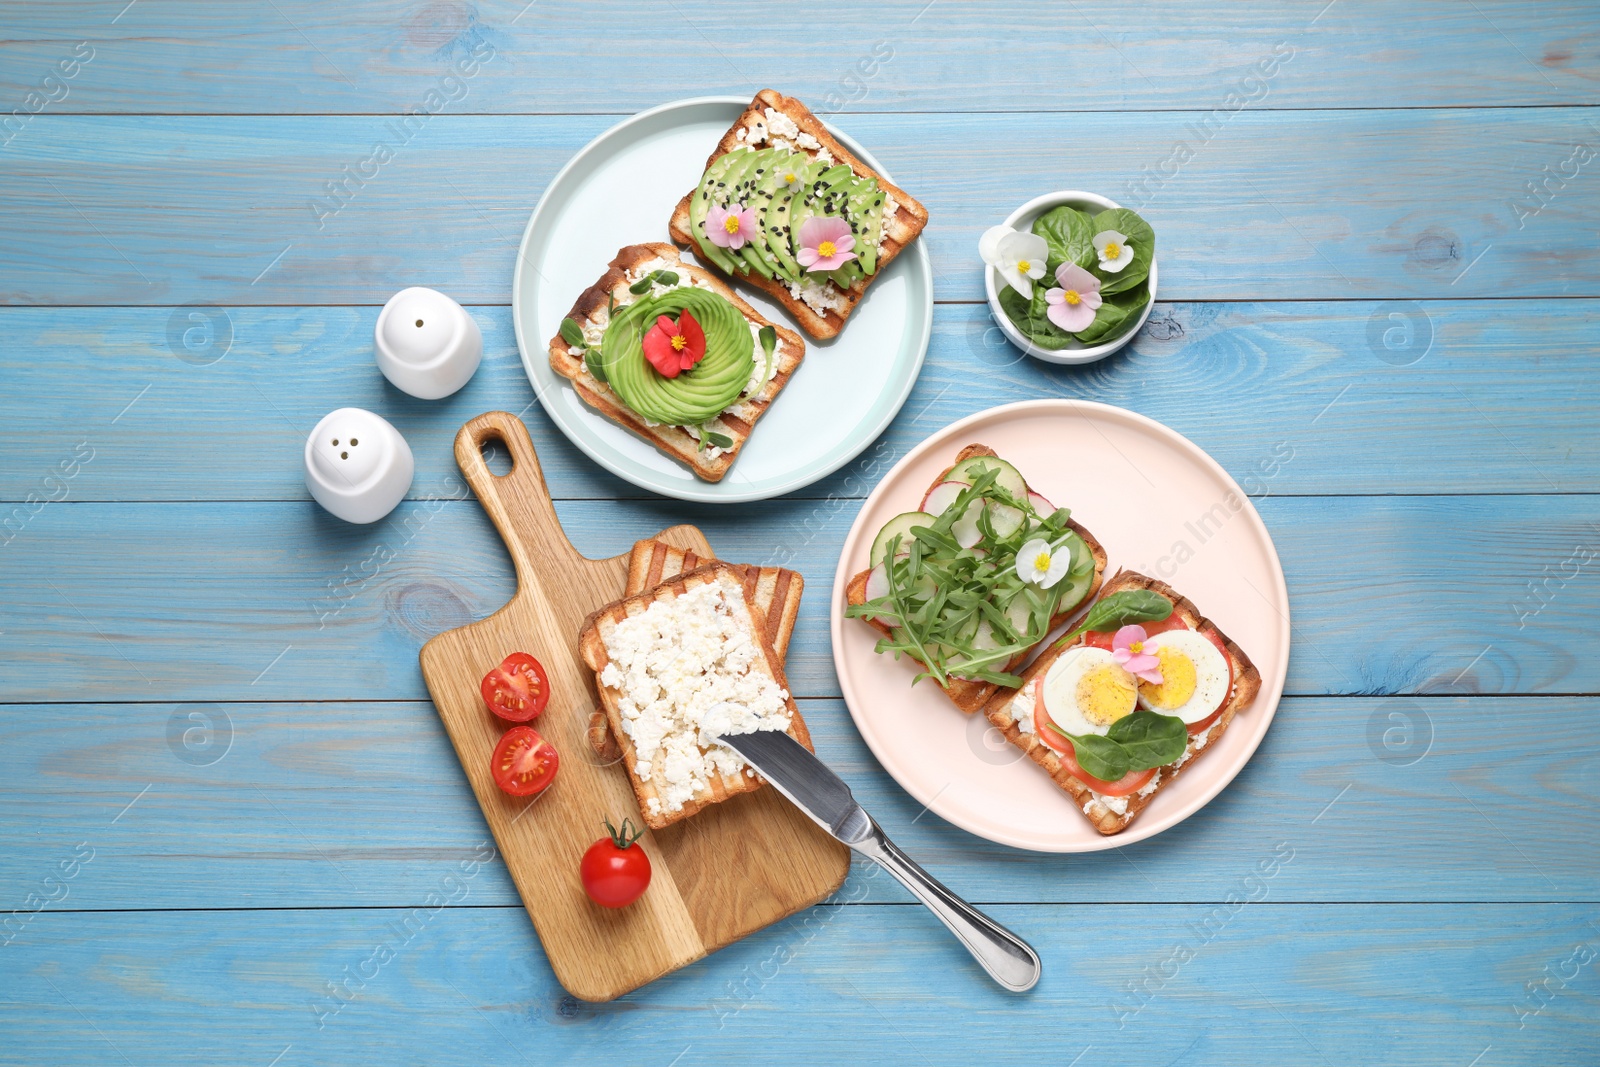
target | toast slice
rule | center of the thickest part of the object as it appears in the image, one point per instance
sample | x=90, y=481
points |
x=653, y=786
x=1111, y=815
x=822, y=316
x=590, y=312
x=969, y=695
x=775, y=591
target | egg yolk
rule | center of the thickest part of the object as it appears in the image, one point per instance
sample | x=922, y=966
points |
x=1106, y=694
x=1177, y=680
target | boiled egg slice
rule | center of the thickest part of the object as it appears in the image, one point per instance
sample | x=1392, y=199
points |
x=1086, y=690
x=1194, y=676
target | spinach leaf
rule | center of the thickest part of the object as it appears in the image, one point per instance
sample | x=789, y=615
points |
x=1069, y=234
x=1150, y=740
x=1140, y=236
x=1030, y=317
x=572, y=333
x=1122, y=609
x=1116, y=315
x=1099, y=756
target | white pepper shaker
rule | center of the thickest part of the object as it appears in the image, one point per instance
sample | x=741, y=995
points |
x=426, y=343
x=357, y=465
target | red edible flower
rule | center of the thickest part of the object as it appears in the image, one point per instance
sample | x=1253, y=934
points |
x=674, y=347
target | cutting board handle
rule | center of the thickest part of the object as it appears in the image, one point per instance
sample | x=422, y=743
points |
x=518, y=501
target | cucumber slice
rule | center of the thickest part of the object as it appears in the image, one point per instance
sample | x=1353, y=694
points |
x=1010, y=479
x=1071, y=592
x=900, y=526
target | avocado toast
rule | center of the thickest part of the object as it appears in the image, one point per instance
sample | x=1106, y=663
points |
x=1215, y=696
x=703, y=415
x=780, y=164
x=984, y=618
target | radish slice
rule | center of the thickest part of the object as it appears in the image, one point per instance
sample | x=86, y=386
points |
x=1006, y=519
x=1040, y=504
x=965, y=529
x=942, y=496
x=877, y=589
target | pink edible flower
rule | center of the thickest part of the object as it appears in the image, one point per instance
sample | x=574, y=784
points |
x=1127, y=648
x=825, y=243
x=1073, y=305
x=730, y=228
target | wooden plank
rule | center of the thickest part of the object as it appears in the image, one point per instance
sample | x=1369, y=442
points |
x=710, y=884
x=303, y=57
x=1263, y=982
x=1335, y=204
x=1315, y=382
x=361, y=804
x=1390, y=594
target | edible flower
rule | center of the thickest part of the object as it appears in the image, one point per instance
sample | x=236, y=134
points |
x=1113, y=249
x=731, y=228
x=790, y=180
x=1127, y=648
x=1019, y=257
x=1041, y=565
x=674, y=347
x=825, y=243
x=1073, y=305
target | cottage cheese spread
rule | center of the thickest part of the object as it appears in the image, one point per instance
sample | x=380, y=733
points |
x=686, y=670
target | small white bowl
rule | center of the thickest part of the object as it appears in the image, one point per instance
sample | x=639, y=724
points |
x=1022, y=219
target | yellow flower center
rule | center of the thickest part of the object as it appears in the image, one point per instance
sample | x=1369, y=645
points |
x=679, y=342
x=731, y=224
x=1136, y=648
x=826, y=249
x=1041, y=562
x=789, y=178
x=1113, y=250
x=1024, y=265
x=1071, y=296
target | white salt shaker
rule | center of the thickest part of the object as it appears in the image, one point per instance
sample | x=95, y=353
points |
x=357, y=465
x=426, y=343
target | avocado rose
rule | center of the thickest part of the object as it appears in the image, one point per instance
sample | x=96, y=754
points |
x=698, y=393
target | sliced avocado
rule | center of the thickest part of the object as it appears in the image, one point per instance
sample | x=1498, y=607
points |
x=712, y=189
x=737, y=192
x=865, y=209
x=771, y=193
x=744, y=192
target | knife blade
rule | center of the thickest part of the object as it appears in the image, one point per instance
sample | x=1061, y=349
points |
x=793, y=770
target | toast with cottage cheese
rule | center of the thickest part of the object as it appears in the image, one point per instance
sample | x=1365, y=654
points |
x=970, y=696
x=775, y=591
x=683, y=661
x=1008, y=710
x=779, y=121
x=591, y=312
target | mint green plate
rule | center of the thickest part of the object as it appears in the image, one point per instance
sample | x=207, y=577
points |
x=620, y=190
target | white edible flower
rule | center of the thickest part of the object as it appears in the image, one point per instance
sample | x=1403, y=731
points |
x=1039, y=564
x=1113, y=249
x=1019, y=257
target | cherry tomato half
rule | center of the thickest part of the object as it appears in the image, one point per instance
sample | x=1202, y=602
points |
x=518, y=689
x=523, y=762
x=615, y=871
x=1042, y=723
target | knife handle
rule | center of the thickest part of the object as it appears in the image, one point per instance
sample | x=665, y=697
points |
x=1008, y=959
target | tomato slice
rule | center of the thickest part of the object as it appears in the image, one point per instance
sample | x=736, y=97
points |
x=518, y=689
x=1042, y=723
x=523, y=762
x=1096, y=639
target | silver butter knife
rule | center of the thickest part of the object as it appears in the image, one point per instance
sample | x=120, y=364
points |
x=821, y=794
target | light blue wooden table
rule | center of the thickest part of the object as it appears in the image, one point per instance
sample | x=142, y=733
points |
x=222, y=784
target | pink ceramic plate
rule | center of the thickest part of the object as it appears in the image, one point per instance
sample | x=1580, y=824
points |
x=1160, y=506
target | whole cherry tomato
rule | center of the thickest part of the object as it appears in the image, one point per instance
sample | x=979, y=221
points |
x=615, y=871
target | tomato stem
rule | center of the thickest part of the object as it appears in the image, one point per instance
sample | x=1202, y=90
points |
x=626, y=836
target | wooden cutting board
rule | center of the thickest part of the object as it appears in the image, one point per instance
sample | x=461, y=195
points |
x=716, y=877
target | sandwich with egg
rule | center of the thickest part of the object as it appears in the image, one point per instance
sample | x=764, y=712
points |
x=1123, y=704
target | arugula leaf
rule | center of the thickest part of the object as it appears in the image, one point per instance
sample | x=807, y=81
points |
x=1069, y=234
x=1140, y=236
x=1150, y=740
x=1126, y=608
x=572, y=333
